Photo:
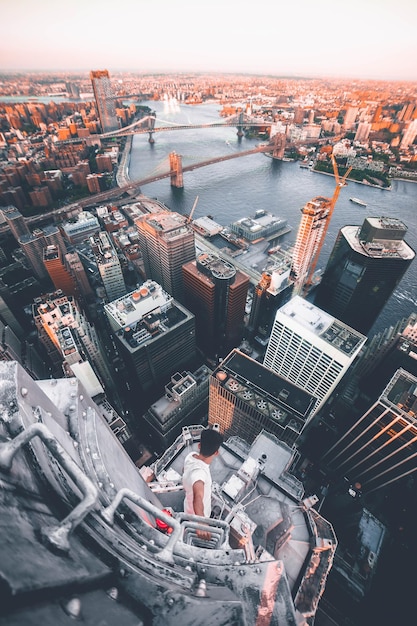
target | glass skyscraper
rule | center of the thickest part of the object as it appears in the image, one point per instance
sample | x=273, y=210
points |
x=365, y=266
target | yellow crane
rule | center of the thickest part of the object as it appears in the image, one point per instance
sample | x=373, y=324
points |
x=340, y=182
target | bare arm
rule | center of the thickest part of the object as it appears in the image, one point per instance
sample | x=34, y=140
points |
x=198, y=499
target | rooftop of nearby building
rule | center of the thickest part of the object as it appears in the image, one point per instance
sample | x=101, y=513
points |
x=263, y=389
x=319, y=323
x=380, y=247
x=213, y=265
x=144, y=314
x=132, y=307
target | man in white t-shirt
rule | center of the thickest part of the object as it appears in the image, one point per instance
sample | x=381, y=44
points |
x=196, y=478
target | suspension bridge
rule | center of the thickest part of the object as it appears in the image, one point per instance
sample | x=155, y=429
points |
x=173, y=168
x=147, y=125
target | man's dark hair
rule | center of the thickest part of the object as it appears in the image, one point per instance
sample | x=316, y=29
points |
x=210, y=441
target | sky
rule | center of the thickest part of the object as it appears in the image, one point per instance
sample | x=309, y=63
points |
x=369, y=39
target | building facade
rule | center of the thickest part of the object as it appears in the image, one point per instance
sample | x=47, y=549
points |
x=215, y=291
x=108, y=265
x=380, y=448
x=247, y=397
x=103, y=94
x=154, y=333
x=167, y=242
x=311, y=348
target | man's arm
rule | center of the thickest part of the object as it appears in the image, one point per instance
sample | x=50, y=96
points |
x=198, y=497
x=198, y=505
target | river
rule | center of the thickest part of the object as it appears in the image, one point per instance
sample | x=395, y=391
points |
x=233, y=189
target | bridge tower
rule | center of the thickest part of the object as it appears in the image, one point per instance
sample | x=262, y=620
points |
x=175, y=166
x=280, y=141
x=240, y=124
x=151, y=126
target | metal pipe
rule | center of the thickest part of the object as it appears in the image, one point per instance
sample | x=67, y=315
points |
x=56, y=536
x=166, y=554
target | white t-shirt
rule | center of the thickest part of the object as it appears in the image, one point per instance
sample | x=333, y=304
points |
x=195, y=469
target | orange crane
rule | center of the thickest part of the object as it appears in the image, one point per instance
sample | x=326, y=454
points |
x=340, y=182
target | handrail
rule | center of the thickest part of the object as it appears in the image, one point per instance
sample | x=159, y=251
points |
x=166, y=554
x=56, y=536
x=178, y=524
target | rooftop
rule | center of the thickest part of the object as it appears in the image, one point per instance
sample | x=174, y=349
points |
x=258, y=385
x=321, y=324
x=132, y=307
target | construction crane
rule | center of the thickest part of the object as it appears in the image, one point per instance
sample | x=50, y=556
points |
x=340, y=182
x=190, y=217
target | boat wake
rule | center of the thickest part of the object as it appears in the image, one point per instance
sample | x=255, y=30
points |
x=406, y=296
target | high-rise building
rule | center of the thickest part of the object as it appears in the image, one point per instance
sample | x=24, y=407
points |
x=58, y=272
x=16, y=221
x=247, y=397
x=108, y=265
x=409, y=134
x=350, y=117
x=103, y=94
x=77, y=271
x=34, y=244
x=167, y=242
x=313, y=226
x=311, y=349
x=215, y=291
x=273, y=290
x=185, y=402
x=380, y=448
x=154, y=333
x=70, y=340
x=365, y=266
x=362, y=132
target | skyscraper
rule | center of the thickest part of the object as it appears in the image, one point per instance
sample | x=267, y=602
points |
x=15, y=221
x=273, y=290
x=155, y=335
x=108, y=265
x=33, y=245
x=381, y=447
x=309, y=239
x=310, y=348
x=365, y=266
x=266, y=562
x=247, y=397
x=215, y=291
x=167, y=242
x=103, y=95
x=59, y=274
x=70, y=340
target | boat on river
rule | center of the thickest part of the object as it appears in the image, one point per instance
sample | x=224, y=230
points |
x=357, y=201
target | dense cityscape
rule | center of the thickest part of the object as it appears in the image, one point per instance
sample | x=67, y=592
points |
x=165, y=323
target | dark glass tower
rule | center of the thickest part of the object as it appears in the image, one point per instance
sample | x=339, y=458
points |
x=365, y=266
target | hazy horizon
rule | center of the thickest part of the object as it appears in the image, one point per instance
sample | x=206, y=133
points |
x=364, y=40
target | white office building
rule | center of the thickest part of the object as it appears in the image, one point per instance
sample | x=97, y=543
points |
x=310, y=348
x=109, y=266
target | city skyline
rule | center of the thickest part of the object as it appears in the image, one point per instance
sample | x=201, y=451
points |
x=363, y=40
